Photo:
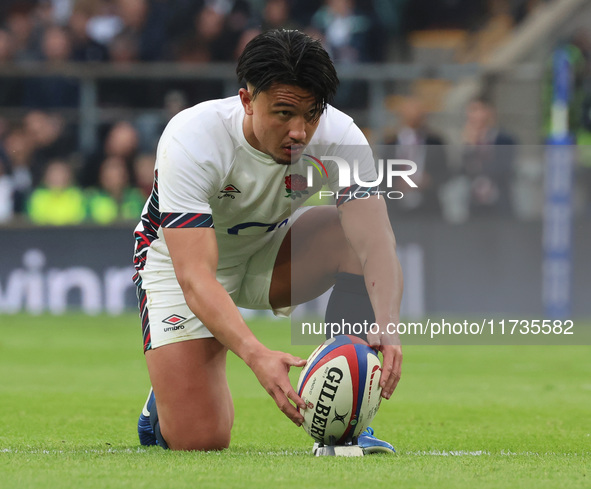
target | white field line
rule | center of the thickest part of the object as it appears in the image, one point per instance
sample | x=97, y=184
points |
x=486, y=453
x=421, y=453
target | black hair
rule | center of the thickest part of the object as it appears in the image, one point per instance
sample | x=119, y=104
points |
x=288, y=57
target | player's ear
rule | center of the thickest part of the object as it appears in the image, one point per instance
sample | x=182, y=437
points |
x=246, y=98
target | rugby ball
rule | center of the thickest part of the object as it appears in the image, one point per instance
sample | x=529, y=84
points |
x=341, y=381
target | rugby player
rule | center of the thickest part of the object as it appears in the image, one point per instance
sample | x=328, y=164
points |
x=224, y=228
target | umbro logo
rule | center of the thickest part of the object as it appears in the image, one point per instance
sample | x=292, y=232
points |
x=174, y=320
x=175, y=323
x=229, y=191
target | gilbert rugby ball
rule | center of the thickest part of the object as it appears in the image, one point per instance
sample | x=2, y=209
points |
x=341, y=380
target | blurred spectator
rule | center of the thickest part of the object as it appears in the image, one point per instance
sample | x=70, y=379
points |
x=345, y=31
x=58, y=202
x=208, y=41
x=61, y=10
x=274, y=14
x=122, y=141
x=145, y=22
x=6, y=47
x=133, y=15
x=391, y=16
x=181, y=19
x=10, y=88
x=48, y=138
x=277, y=15
x=19, y=147
x=214, y=37
x=124, y=49
x=44, y=15
x=114, y=199
x=84, y=48
x=487, y=160
x=346, y=35
x=416, y=142
x=20, y=23
x=53, y=91
x=56, y=45
x=104, y=23
x=215, y=33
x=143, y=169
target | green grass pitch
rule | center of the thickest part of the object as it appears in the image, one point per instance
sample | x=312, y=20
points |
x=71, y=389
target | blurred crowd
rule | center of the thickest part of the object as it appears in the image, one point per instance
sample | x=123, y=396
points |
x=46, y=177
x=196, y=31
x=476, y=184
x=199, y=31
x=42, y=179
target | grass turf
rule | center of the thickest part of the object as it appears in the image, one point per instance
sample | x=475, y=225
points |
x=71, y=389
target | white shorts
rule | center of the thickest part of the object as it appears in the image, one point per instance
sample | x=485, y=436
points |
x=166, y=317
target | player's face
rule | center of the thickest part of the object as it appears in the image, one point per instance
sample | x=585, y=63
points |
x=280, y=121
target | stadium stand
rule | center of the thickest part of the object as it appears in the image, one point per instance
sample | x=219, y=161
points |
x=84, y=67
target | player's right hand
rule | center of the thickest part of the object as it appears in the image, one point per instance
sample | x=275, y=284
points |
x=389, y=345
x=271, y=369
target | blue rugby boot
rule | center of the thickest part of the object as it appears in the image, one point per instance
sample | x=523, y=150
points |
x=370, y=444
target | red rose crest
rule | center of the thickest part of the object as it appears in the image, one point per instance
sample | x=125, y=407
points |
x=296, y=186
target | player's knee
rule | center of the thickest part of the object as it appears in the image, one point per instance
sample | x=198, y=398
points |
x=202, y=440
x=204, y=444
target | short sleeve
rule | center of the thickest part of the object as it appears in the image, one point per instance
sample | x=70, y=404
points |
x=186, y=181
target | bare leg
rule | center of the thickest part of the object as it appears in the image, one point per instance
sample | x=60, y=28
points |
x=313, y=250
x=194, y=403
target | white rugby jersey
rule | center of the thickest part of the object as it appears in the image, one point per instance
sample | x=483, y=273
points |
x=208, y=175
